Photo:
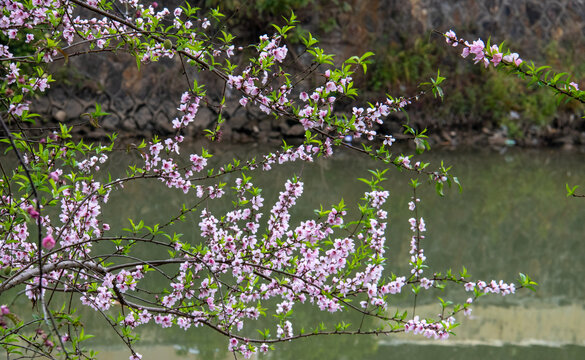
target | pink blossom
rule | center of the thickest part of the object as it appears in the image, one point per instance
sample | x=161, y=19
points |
x=233, y=344
x=184, y=323
x=229, y=51
x=144, y=317
x=54, y=176
x=465, y=52
x=330, y=86
x=477, y=48
x=389, y=140
x=32, y=212
x=41, y=84
x=18, y=109
x=48, y=242
x=164, y=321
x=280, y=53
x=513, y=58
x=469, y=286
x=426, y=283
x=235, y=81
x=451, y=38
x=404, y=161
x=494, y=51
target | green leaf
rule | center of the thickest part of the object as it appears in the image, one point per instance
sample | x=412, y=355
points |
x=571, y=190
x=439, y=188
x=456, y=181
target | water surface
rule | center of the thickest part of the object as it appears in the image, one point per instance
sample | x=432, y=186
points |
x=512, y=216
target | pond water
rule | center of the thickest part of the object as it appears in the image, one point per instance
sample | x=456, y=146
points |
x=512, y=216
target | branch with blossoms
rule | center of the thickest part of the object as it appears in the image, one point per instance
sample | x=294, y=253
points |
x=560, y=83
x=245, y=262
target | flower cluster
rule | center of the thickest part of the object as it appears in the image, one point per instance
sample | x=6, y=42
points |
x=495, y=287
x=15, y=250
x=249, y=259
x=417, y=256
x=189, y=105
x=4, y=310
x=436, y=330
x=482, y=54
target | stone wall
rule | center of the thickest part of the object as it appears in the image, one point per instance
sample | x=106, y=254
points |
x=527, y=24
x=143, y=102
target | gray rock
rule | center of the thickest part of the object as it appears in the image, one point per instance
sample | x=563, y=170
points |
x=497, y=139
x=129, y=125
x=204, y=119
x=296, y=130
x=163, y=123
x=143, y=118
x=110, y=122
x=74, y=109
x=239, y=121
x=60, y=115
x=564, y=141
x=265, y=125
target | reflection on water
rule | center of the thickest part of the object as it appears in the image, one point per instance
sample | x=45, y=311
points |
x=385, y=352
x=512, y=217
x=537, y=324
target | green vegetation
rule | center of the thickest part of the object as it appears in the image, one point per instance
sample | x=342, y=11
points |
x=260, y=7
x=475, y=96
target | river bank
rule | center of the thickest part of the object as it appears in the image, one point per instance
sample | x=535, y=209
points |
x=484, y=108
